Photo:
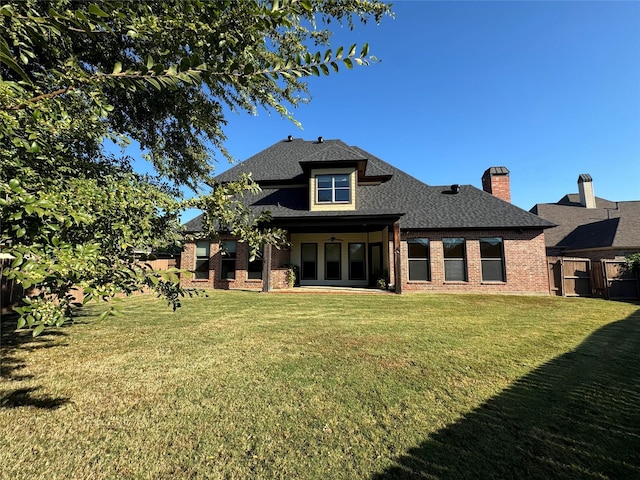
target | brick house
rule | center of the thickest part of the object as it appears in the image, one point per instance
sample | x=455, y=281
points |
x=355, y=220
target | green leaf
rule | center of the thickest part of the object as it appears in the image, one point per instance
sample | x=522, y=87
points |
x=327, y=56
x=117, y=68
x=339, y=53
x=38, y=330
x=21, y=323
x=352, y=50
x=365, y=50
x=9, y=62
x=97, y=11
x=348, y=63
x=306, y=4
x=155, y=83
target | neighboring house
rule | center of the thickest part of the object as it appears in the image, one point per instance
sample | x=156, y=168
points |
x=591, y=227
x=355, y=220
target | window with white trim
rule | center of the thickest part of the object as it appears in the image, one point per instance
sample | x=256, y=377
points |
x=335, y=188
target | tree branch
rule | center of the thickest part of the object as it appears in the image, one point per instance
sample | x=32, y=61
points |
x=37, y=98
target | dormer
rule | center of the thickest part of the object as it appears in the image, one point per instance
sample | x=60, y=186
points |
x=332, y=188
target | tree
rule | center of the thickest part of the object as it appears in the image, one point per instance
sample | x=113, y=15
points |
x=632, y=262
x=74, y=75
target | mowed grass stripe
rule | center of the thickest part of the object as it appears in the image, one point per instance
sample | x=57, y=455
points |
x=246, y=385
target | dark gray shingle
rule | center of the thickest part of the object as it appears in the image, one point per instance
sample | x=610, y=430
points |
x=423, y=206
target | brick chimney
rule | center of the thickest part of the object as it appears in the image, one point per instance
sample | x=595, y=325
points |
x=585, y=189
x=495, y=181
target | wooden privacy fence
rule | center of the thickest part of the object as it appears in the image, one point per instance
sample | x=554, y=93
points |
x=569, y=277
x=11, y=293
x=617, y=281
x=581, y=277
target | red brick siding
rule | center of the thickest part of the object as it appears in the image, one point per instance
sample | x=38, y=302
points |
x=525, y=263
x=279, y=275
x=498, y=185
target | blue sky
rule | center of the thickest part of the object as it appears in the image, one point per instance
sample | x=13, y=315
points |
x=548, y=89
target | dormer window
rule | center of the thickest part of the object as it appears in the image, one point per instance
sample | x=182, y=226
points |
x=333, y=188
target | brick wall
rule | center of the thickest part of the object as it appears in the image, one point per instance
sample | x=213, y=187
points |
x=279, y=274
x=525, y=263
x=495, y=181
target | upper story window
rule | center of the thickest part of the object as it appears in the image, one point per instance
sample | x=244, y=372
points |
x=333, y=188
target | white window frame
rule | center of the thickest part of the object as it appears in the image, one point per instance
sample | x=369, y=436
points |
x=333, y=188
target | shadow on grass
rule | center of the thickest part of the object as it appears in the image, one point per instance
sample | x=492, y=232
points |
x=28, y=397
x=11, y=365
x=577, y=416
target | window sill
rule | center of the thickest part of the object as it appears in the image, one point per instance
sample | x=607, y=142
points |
x=418, y=281
x=456, y=282
x=200, y=280
x=253, y=280
x=493, y=282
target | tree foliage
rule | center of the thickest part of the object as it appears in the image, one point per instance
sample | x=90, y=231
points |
x=633, y=262
x=74, y=75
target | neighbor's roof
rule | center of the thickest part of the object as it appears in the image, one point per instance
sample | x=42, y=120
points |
x=610, y=224
x=421, y=206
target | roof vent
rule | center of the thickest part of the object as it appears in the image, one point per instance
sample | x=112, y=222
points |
x=455, y=188
x=320, y=139
x=290, y=138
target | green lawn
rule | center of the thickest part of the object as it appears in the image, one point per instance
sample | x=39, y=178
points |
x=246, y=385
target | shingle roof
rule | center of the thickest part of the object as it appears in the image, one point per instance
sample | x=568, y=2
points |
x=610, y=224
x=422, y=206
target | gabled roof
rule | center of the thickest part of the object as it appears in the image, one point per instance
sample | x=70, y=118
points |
x=418, y=205
x=610, y=224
